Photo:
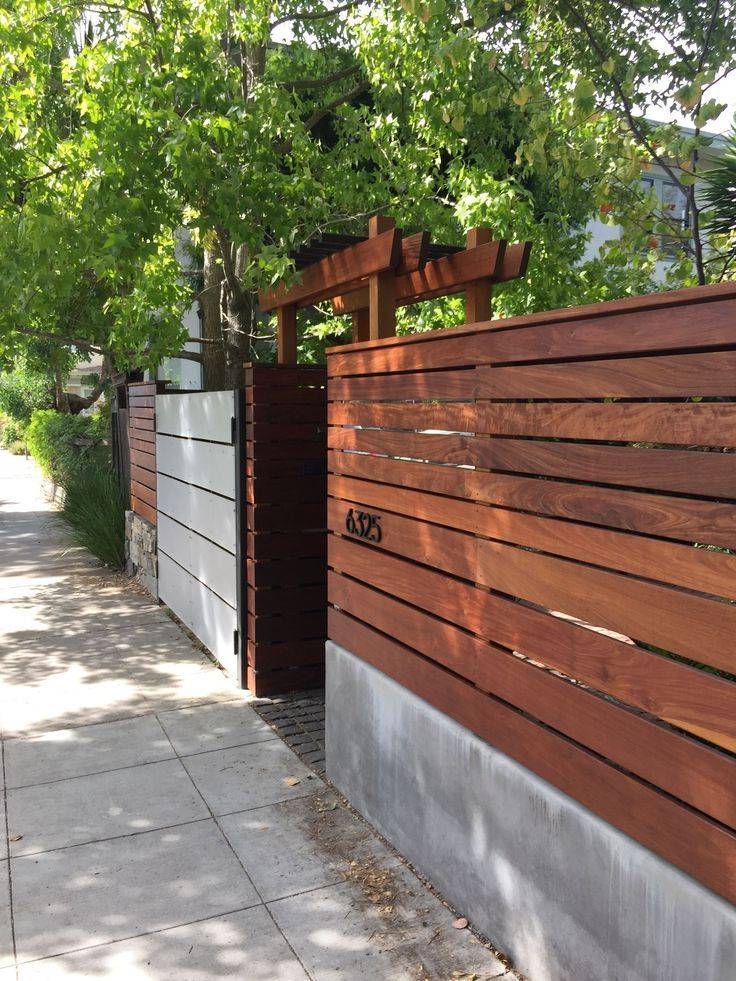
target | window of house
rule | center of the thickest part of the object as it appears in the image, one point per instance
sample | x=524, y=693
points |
x=673, y=205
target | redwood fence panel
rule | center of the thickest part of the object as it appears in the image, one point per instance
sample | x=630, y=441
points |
x=514, y=510
x=142, y=442
x=286, y=494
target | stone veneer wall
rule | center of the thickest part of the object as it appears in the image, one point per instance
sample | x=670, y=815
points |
x=140, y=551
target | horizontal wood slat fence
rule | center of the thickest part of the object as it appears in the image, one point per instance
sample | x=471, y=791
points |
x=514, y=509
x=286, y=495
x=142, y=440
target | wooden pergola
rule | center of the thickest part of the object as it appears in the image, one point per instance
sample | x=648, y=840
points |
x=369, y=278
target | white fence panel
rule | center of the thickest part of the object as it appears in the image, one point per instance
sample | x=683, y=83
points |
x=198, y=415
x=206, y=615
x=197, y=526
x=208, y=465
x=206, y=561
x=206, y=513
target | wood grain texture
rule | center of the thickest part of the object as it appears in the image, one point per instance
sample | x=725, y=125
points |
x=680, y=622
x=662, y=330
x=702, y=423
x=696, y=701
x=643, y=306
x=684, y=837
x=304, y=625
x=311, y=410
x=264, y=683
x=337, y=271
x=146, y=461
x=143, y=509
x=141, y=492
x=287, y=655
x=145, y=437
x=709, y=374
x=706, y=474
x=688, y=770
x=705, y=571
x=142, y=476
x=706, y=522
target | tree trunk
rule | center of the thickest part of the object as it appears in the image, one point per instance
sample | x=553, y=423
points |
x=214, y=367
x=61, y=400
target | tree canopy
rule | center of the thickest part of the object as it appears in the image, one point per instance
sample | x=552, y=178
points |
x=137, y=130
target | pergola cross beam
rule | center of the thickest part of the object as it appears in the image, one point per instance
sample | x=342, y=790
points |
x=369, y=279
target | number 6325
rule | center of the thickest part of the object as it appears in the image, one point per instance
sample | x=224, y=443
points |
x=363, y=525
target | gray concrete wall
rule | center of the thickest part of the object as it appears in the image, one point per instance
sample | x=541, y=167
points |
x=561, y=892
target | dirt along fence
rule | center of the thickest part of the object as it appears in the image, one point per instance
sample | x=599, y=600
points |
x=532, y=524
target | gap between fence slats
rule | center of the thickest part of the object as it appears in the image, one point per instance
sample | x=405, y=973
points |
x=686, y=838
x=706, y=522
x=703, y=777
x=700, y=703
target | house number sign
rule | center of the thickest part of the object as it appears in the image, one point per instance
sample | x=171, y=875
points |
x=363, y=525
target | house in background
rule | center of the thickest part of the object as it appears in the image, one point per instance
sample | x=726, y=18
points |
x=82, y=376
x=671, y=201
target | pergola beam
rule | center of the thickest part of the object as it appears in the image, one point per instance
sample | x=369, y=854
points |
x=442, y=277
x=337, y=272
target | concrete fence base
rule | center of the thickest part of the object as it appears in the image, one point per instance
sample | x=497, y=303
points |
x=564, y=894
x=140, y=551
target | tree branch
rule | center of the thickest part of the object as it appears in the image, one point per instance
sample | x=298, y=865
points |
x=320, y=114
x=320, y=15
x=48, y=335
x=299, y=85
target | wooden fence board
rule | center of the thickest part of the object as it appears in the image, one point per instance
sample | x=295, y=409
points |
x=703, y=777
x=706, y=522
x=700, y=703
x=677, y=621
x=706, y=571
x=663, y=330
x=146, y=461
x=141, y=476
x=686, y=838
x=507, y=529
x=705, y=474
x=703, y=423
x=711, y=374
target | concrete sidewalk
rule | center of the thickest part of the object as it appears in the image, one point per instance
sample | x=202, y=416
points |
x=156, y=826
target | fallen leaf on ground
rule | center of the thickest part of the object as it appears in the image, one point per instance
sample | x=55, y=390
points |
x=15, y=837
x=460, y=923
x=291, y=781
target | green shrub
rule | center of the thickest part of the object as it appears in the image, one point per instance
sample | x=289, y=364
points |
x=12, y=435
x=64, y=445
x=21, y=392
x=94, y=507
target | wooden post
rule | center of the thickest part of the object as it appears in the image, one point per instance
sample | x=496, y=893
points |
x=478, y=294
x=361, y=325
x=286, y=319
x=381, y=289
